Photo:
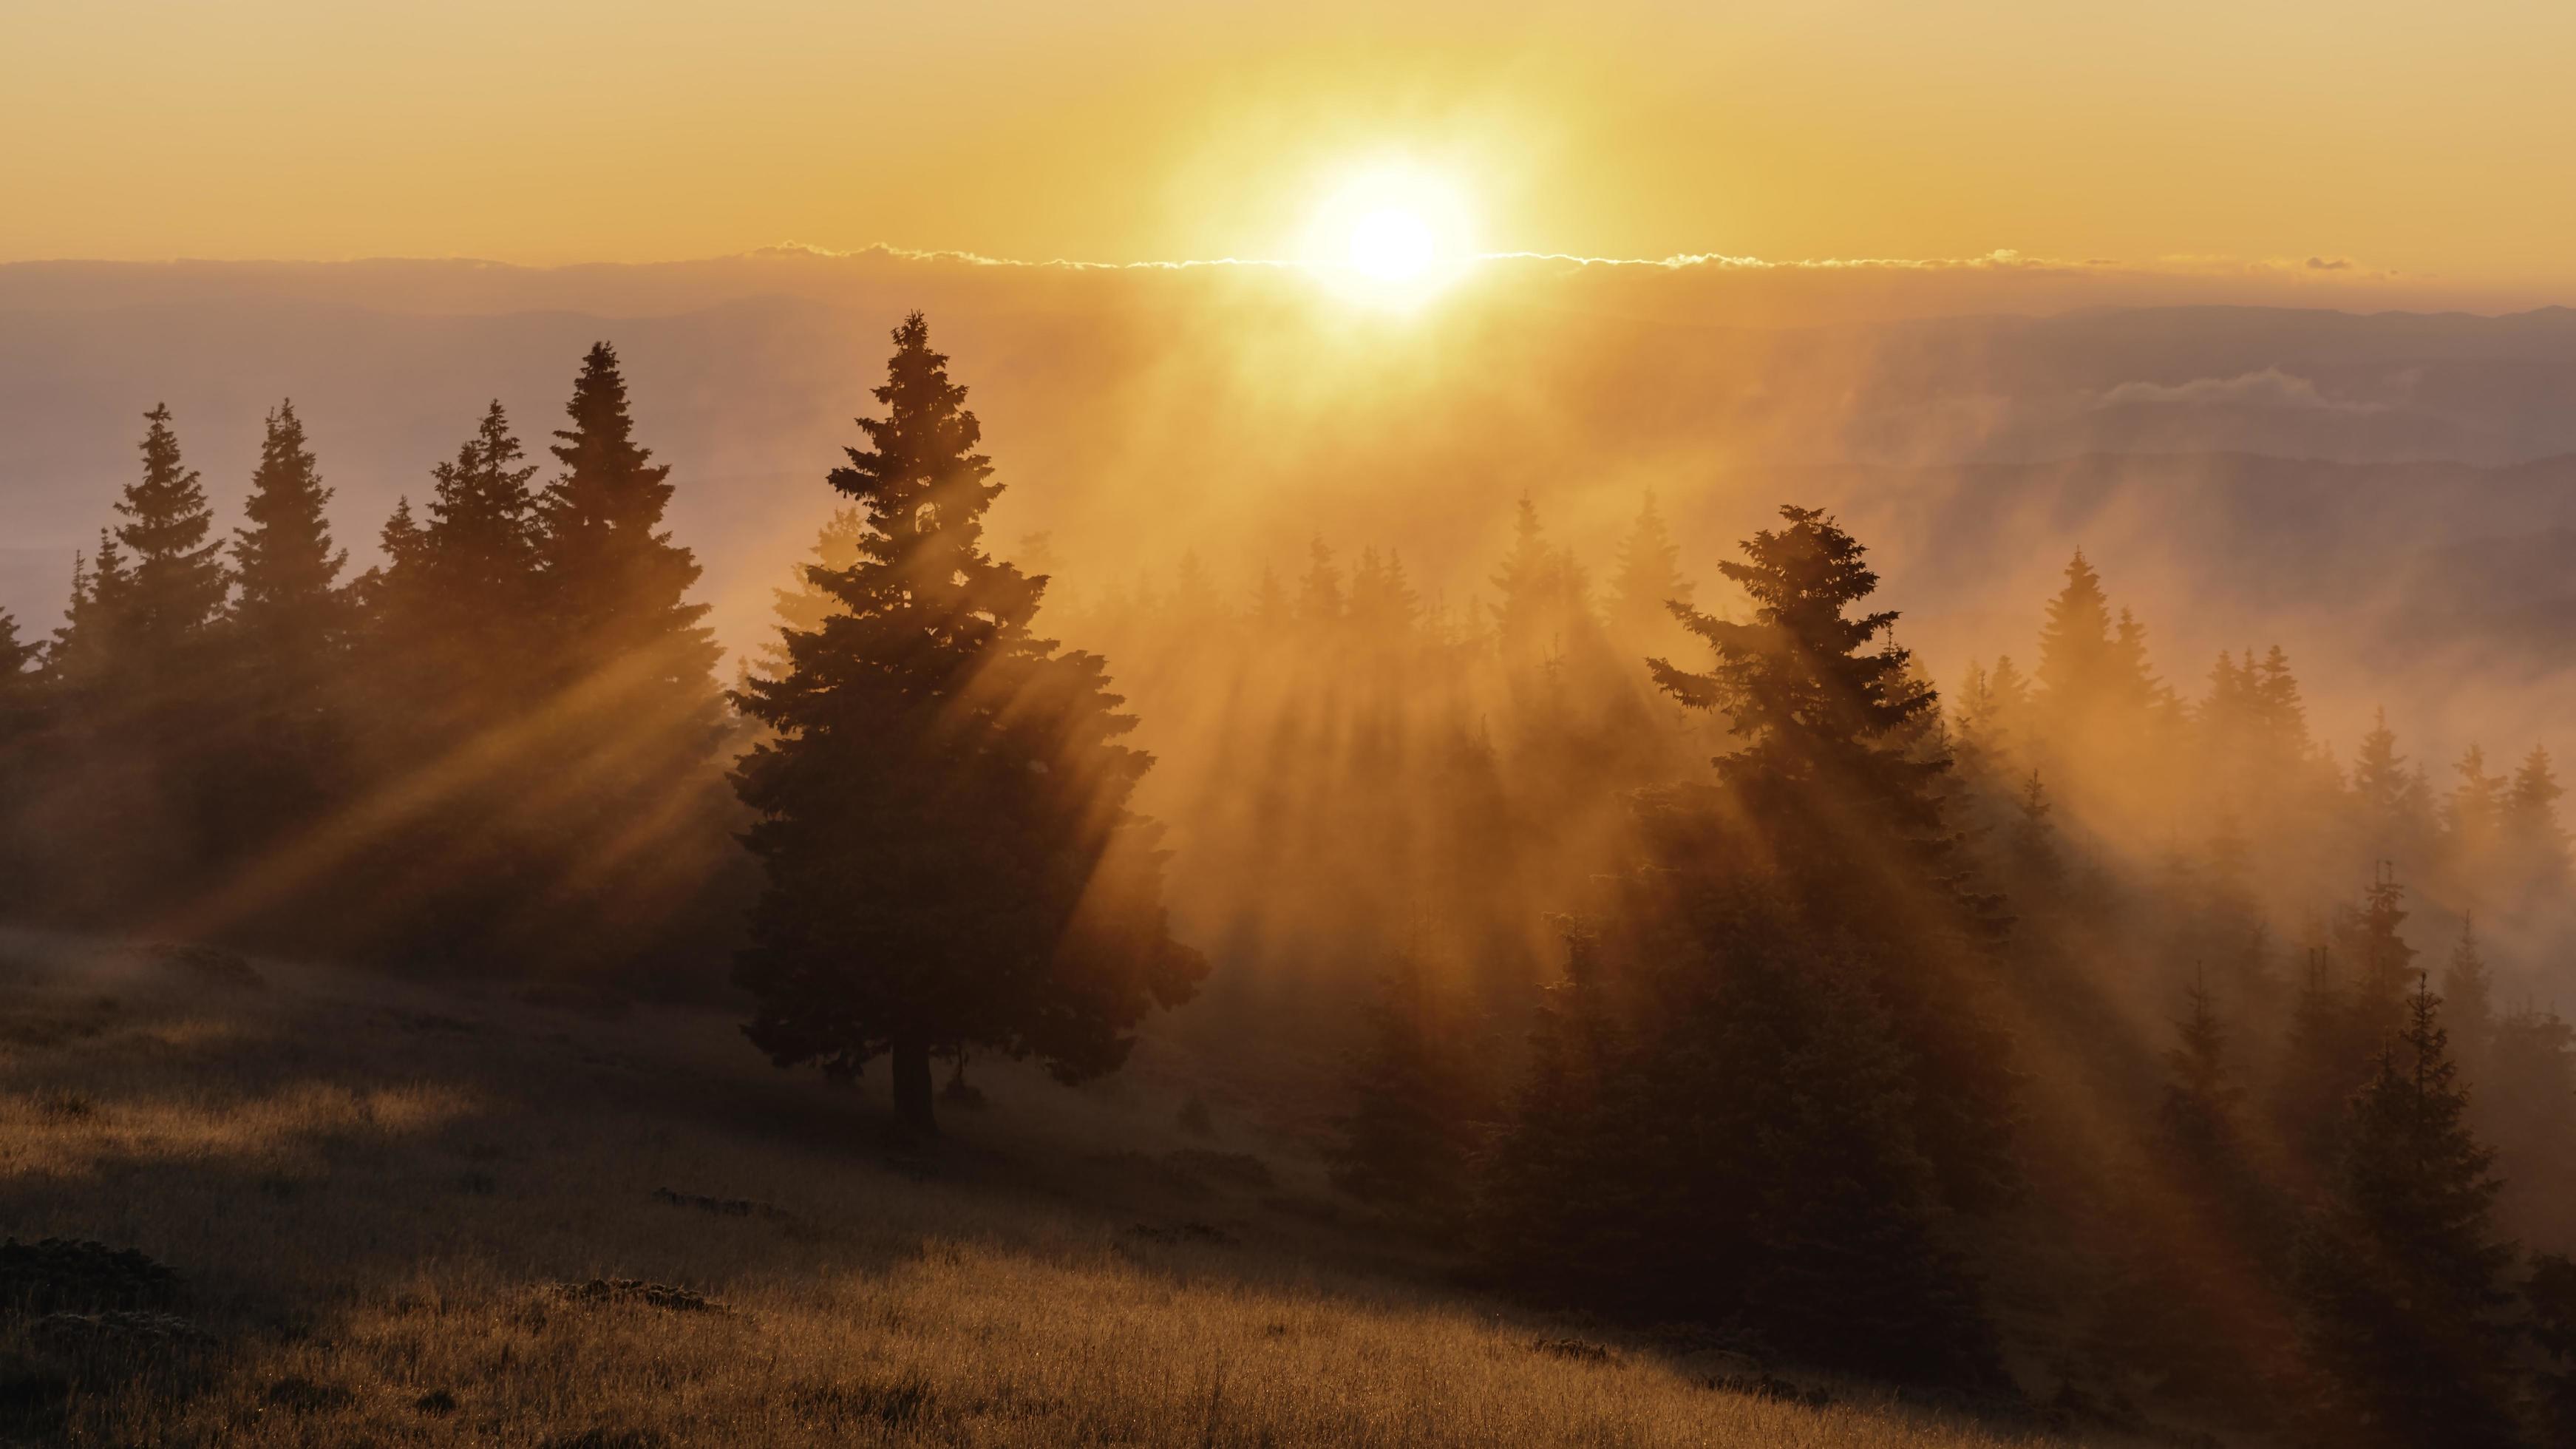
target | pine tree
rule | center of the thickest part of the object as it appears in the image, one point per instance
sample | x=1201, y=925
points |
x=619, y=586
x=96, y=630
x=292, y=627
x=802, y=606
x=2394, y=805
x=2529, y=835
x=2470, y=991
x=2472, y=821
x=481, y=546
x=1649, y=581
x=462, y=593
x=1717, y=1126
x=1319, y=593
x=1383, y=605
x=943, y=812
x=1820, y=711
x=18, y=659
x=2317, y=1072
x=2383, y=964
x=1531, y=587
x=290, y=607
x=2075, y=642
x=177, y=584
x=2039, y=873
x=2181, y=1305
x=2405, y=1272
x=1835, y=789
x=152, y=702
x=2201, y=1098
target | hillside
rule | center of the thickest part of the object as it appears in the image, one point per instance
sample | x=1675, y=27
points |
x=400, y=1213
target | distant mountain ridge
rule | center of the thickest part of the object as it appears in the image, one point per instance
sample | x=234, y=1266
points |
x=2273, y=461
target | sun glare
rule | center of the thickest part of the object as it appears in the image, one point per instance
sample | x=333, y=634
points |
x=1392, y=245
x=1391, y=233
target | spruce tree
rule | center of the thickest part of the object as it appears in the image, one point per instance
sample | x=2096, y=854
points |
x=1319, y=593
x=802, y=606
x=2405, y=1272
x=1649, y=580
x=2392, y=800
x=1531, y=587
x=290, y=607
x=618, y=584
x=481, y=546
x=2472, y=822
x=2470, y=991
x=153, y=710
x=2187, y=1302
x=292, y=627
x=95, y=633
x=1383, y=605
x=2075, y=642
x=2532, y=840
x=1834, y=788
x=942, y=814
x=2317, y=1071
x=2383, y=963
x=466, y=590
x=176, y=586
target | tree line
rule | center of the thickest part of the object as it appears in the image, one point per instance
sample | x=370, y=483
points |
x=1694, y=959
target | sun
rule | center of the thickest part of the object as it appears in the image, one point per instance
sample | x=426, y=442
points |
x=1389, y=232
x=1392, y=245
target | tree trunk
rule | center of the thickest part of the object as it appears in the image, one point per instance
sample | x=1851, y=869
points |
x=912, y=1086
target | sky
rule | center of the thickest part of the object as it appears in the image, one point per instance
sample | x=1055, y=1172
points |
x=2425, y=141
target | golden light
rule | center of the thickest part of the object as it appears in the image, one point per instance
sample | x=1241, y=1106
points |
x=1392, y=245
x=1391, y=233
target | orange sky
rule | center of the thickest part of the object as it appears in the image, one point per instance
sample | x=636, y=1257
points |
x=2432, y=141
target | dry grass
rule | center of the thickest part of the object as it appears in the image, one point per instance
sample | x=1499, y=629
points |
x=385, y=1201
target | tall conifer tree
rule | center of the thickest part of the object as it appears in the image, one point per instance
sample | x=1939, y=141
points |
x=290, y=607
x=2405, y=1274
x=619, y=585
x=943, y=812
x=177, y=572
x=1835, y=783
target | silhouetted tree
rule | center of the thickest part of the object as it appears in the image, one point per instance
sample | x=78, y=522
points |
x=1648, y=581
x=2472, y=822
x=2529, y=836
x=1319, y=593
x=290, y=608
x=943, y=811
x=2469, y=990
x=1717, y=1126
x=176, y=584
x=619, y=585
x=2394, y=804
x=458, y=596
x=293, y=626
x=1835, y=787
x=2404, y=1273
x=804, y=604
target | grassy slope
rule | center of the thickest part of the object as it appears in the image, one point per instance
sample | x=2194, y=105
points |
x=372, y=1188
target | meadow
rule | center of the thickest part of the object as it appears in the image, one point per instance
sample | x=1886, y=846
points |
x=398, y=1212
